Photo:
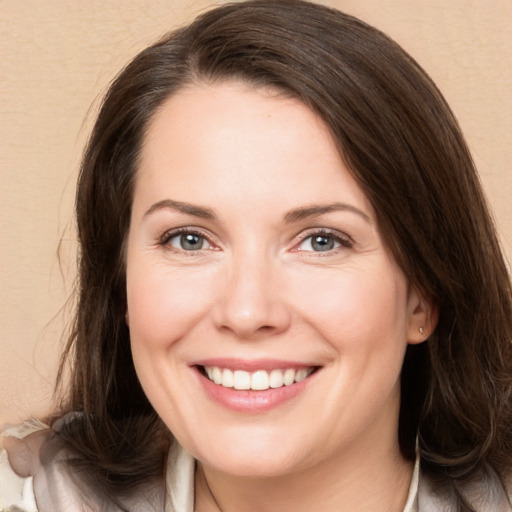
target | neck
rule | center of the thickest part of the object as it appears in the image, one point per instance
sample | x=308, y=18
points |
x=347, y=482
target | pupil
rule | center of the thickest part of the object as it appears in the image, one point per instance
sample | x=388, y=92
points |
x=322, y=243
x=190, y=242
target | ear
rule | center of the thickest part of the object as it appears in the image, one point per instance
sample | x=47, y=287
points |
x=127, y=318
x=423, y=316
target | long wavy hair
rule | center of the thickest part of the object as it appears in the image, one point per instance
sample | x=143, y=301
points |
x=403, y=146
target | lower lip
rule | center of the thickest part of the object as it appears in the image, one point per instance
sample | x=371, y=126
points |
x=251, y=401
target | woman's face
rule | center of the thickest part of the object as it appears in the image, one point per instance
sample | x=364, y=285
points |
x=254, y=261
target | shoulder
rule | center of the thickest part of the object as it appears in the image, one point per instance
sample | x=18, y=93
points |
x=18, y=454
x=34, y=474
x=15, y=491
x=39, y=473
x=507, y=484
x=486, y=492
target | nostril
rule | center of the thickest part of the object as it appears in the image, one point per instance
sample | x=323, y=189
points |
x=251, y=319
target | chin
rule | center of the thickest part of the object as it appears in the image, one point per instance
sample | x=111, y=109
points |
x=262, y=467
x=257, y=459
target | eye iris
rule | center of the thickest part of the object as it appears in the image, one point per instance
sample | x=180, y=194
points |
x=322, y=243
x=191, y=242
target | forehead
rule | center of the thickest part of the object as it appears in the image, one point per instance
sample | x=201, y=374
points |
x=230, y=140
x=238, y=107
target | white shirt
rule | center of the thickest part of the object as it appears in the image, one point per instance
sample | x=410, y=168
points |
x=17, y=493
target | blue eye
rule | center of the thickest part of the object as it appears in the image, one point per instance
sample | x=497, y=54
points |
x=188, y=242
x=323, y=242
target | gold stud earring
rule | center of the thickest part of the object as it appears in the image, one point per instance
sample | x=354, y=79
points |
x=421, y=331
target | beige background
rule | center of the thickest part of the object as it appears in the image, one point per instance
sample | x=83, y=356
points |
x=57, y=57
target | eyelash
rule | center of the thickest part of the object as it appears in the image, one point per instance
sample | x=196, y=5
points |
x=169, y=235
x=344, y=241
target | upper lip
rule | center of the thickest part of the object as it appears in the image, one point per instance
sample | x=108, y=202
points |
x=251, y=365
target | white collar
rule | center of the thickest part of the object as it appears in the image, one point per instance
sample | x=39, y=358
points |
x=181, y=473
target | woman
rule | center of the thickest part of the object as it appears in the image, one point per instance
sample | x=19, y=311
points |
x=291, y=292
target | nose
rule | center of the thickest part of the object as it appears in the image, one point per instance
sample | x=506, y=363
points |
x=252, y=303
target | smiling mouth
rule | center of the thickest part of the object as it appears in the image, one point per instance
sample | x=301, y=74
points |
x=259, y=380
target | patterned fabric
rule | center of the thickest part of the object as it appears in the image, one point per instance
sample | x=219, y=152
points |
x=34, y=477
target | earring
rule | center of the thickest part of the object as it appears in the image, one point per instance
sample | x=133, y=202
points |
x=421, y=331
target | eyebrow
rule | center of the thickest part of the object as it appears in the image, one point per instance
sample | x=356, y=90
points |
x=187, y=208
x=294, y=215
x=298, y=214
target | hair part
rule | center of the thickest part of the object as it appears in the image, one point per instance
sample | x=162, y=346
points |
x=403, y=146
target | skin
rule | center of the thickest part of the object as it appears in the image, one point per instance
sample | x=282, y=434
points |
x=258, y=289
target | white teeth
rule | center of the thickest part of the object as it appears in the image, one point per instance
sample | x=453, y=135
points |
x=259, y=380
x=242, y=380
x=289, y=377
x=217, y=375
x=227, y=378
x=301, y=374
x=276, y=379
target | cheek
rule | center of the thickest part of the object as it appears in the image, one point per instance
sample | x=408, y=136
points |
x=163, y=304
x=354, y=309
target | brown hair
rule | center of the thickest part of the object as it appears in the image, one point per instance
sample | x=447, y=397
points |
x=403, y=146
